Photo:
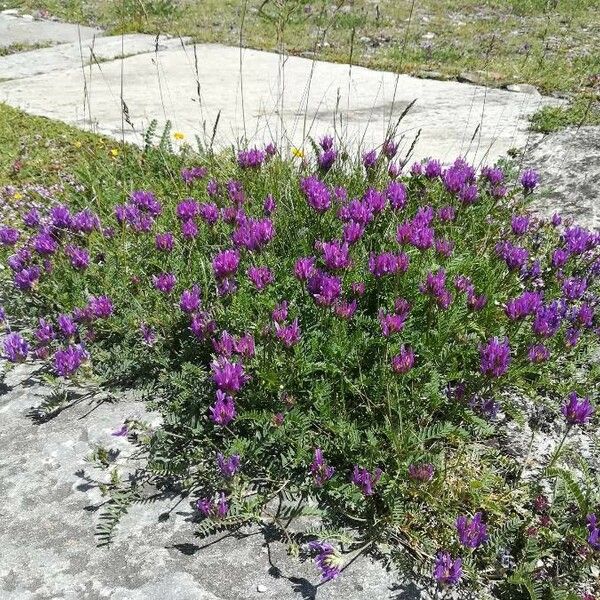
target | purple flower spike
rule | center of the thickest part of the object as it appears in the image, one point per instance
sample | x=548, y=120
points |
x=495, y=357
x=421, y=472
x=190, y=300
x=328, y=559
x=593, y=527
x=404, y=361
x=68, y=360
x=288, y=334
x=320, y=470
x=16, y=348
x=164, y=282
x=365, y=480
x=529, y=180
x=447, y=571
x=577, y=411
x=228, y=376
x=222, y=412
x=225, y=263
x=472, y=533
x=229, y=466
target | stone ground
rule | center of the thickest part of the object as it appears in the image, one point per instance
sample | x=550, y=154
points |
x=48, y=513
x=49, y=507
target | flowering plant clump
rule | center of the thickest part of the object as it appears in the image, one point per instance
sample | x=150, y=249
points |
x=353, y=341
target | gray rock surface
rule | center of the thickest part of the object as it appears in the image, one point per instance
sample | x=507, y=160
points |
x=263, y=97
x=568, y=162
x=76, y=54
x=15, y=29
x=49, y=507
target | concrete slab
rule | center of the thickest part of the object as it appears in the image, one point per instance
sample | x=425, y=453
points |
x=263, y=96
x=76, y=54
x=15, y=29
x=48, y=510
x=568, y=162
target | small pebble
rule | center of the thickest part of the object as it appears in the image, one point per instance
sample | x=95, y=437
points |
x=261, y=588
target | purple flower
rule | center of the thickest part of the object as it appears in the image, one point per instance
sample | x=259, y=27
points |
x=44, y=334
x=324, y=288
x=288, y=334
x=235, y=192
x=396, y=194
x=538, y=353
x=225, y=344
x=326, y=159
x=444, y=247
x=328, y=559
x=390, y=148
x=209, y=212
x=326, y=142
x=578, y=240
x=228, y=376
x=164, y=241
x=404, y=361
x=391, y=323
x=345, y=310
x=148, y=334
x=189, y=229
x=189, y=175
x=446, y=213
x=435, y=287
x=253, y=234
x=578, y=410
x=593, y=531
x=353, y=231
x=60, y=217
x=365, y=480
x=100, y=307
x=335, y=255
x=189, y=301
x=225, y=263
x=123, y=431
x=529, y=180
x=515, y=257
x=85, y=221
x=9, y=236
x=585, y=315
x=211, y=508
x=146, y=202
x=316, y=193
x=67, y=326
x=547, y=319
x=524, y=305
x=229, y=466
x=222, y=412
x=560, y=256
x=80, y=258
x=421, y=472
x=26, y=279
x=68, y=360
x=251, y=159
x=269, y=205
x=202, y=325
x=447, y=571
x=187, y=209
x=388, y=263
x=574, y=288
x=495, y=357
x=304, y=268
x=433, y=169
x=369, y=159
x=16, y=348
x=260, y=277
x=280, y=312
x=164, y=282
x=320, y=470
x=374, y=200
x=494, y=175
x=572, y=336
x=472, y=533
x=519, y=224
x=45, y=244
x=32, y=219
